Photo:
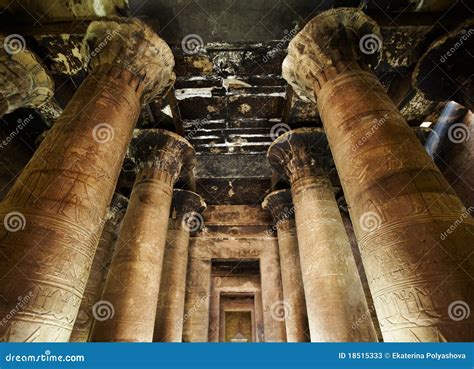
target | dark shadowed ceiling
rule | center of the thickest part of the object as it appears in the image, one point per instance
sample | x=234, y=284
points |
x=229, y=97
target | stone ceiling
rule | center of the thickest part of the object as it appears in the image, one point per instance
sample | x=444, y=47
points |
x=229, y=99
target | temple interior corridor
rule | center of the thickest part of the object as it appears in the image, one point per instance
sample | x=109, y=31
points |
x=232, y=171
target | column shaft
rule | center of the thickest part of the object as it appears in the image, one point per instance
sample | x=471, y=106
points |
x=402, y=209
x=98, y=273
x=186, y=206
x=170, y=312
x=60, y=199
x=412, y=229
x=133, y=282
x=334, y=294
x=198, y=294
x=297, y=320
x=275, y=310
x=53, y=215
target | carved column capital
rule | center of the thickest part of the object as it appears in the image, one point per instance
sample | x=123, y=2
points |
x=331, y=42
x=444, y=71
x=24, y=82
x=134, y=46
x=185, y=201
x=160, y=154
x=186, y=209
x=280, y=204
x=300, y=153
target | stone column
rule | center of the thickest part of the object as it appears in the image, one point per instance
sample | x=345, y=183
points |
x=400, y=205
x=24, y=82
x=280, y=205
x=275, y=309
x=132, y=287
x=53, y=215
x=185, y=218
x=333, y=290
x=99, y=269
x=198, y=294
